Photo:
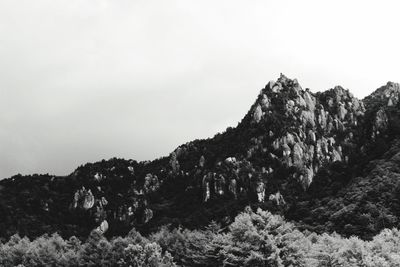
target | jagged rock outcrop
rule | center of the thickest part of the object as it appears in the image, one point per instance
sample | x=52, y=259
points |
x=313, y=126
x=387, y=95
x=103, y=227
x=277, y=199
x=257, y=114
x=260, y=190
x=83, y=199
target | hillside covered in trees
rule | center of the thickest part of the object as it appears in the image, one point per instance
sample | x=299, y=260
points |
x=327, y=162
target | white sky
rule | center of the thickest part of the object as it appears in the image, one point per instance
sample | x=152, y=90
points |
x=83, y=80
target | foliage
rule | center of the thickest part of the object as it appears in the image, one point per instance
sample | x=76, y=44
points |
x=253, y=239
x=95, y=251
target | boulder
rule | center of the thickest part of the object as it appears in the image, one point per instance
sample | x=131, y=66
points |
x=381, y=120
x=206, y=188
x=232, y=187
x=290, y=105
x=103, y=227
x=271, y=133
x=219, y=184
x=230, y=160
x=311, y=136
x=83, y=199
x=98, y=177
x=336, y=156
x=147, y=215
x=308, y=177
x=271, y=84
x=290, y=139
x=286, y=151
x=103, y=201
x=277, y=87
x=310, y=153
x=277, y=199
x=257, y=115
x=88, y=200
x=330, y=102
x=265, y=102
x=297, y=155
x=307, y=118
x=342, y=111
x=329, y=128
x=260, y=190
x=301, y=102
x=310, y=101
x=355, y=103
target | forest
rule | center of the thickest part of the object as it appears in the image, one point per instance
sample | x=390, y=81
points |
x=255, y=238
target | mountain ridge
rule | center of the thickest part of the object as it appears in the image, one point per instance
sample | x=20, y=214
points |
x=291, y=152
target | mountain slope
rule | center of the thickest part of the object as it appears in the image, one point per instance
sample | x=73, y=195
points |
x=328, y=161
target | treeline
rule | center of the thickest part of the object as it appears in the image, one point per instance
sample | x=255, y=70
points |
x=132, y=250
x=253, y=239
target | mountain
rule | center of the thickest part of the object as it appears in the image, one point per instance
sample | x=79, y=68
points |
x=326, y=161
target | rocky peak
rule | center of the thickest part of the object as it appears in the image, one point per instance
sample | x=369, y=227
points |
x=289, y=135
x=308, y=129
x=387, y=95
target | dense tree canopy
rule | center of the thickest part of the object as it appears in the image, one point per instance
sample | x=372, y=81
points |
x=254, y=239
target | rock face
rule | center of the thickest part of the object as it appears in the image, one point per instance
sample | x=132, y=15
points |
x=83, y=199
x=103, y=227
x=257, y=114
x=387, y=95
x=287, y=145
x=277, y=198
x=312, y=127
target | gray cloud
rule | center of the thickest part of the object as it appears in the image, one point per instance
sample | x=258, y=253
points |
x=86, y=80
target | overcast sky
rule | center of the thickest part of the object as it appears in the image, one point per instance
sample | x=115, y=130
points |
x=83, y=80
